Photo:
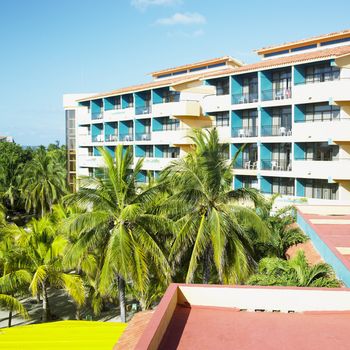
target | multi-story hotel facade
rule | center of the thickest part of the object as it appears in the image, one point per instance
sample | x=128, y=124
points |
x=291, y=110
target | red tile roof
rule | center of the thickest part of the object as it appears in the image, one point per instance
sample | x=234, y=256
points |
x=304, y=42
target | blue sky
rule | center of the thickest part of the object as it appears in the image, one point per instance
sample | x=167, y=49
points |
x=52, y=47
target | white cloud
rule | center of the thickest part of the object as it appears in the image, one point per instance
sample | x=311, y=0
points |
x=144, y=4
x=182, y=18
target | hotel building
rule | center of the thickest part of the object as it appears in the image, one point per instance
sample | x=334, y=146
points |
x=291, y=110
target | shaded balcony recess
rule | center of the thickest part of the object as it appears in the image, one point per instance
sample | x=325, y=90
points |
x=96, y=109
x=144, y=136
x=127, y=101
x=317, y=112
x=276, y=164
x=245, y=181
x=222, y=85
x=316, y=73
x=281, y=185
x=112, y=103
x=165, y=124
x=316, y=151
x=143, y=102
x=317, y=188
x=244, y=88
x=276, y=130
x=126, y=137
x=276, y=84
x=165, y=95
x=248, y=131
x=111, y=131
x=246, y=156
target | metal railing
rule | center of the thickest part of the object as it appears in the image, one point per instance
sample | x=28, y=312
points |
x=96, y=115
x=143, y=136
x=126, y=137
x=245, y=163
x=275, y=164
x=276, y=94
x=97, y=138
x=245, y=98
x=244, y=131
x=276, y=130
x=111, y=138
x=321, y=117
x=143, y=110
x=321, y=159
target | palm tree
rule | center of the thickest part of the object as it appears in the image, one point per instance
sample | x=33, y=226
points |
x=282, y=224
x=118, y=225
x=43, y=249
x=12, y=304
x=43, y=182
x=294, y=272
x=211, y=223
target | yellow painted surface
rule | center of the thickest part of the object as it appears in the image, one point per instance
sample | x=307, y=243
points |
x=63, y=335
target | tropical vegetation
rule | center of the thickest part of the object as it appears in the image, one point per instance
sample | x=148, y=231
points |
x=117, y=243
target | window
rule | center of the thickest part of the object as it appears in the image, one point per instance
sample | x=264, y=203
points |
x=171, y=152
x=249, y=119
x=222, y=119
x=281, y=80
x=321, y=112
x=282, y=117
x=148, y=151
x=283, y=185
x=321, y=151
x=250, y=87
x=170, y=124
x=321, y=189
x=321, y=72
x=171, y=96
x=222, y=87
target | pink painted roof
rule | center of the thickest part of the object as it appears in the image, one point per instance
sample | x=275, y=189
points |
x=220, y=328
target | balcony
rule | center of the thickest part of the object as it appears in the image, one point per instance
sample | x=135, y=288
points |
x=243, y=132
x=111, y=138
x=154, y=163
x=245, y=163
x=144, y=136
x=90, y=161
x=245, y=98
x=176, y=136
x=126, y=137
x=98, y=138
x=119, y=114
x=276, y=130
x=335, y=90
x=214, y=103
x=96, y=115
x=276, y=94
x=143, y=110
x=276, y=165
x=335, y=130
x=185, y=108
x=336, y=169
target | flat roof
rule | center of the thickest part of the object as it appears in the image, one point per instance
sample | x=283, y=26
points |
x=304, y=42
x=329, y=229
x=224, y=328
x=249, y=317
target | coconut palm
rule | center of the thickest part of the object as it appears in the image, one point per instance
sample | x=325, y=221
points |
x=43, y=182
x=294, y=272
x=212, y=225
x=118, y=225
x=43, y=249
x=282, y=224
x=10, y=303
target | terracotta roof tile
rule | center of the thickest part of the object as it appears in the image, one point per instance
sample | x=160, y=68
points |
x=270, y=63
x=304, y=41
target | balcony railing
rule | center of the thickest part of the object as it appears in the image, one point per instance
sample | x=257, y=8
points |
x=143, y=110
x=126, y=137
x=111, y=138
x=277, y=165
x=322, y=117
x=320, y=159
x=284, y=190
x=144, y=136
x=97, y=138
x=244, y=98
x=245, y=132
x=276, y=130
x=96, y=115
x=245, y=163
x=276, y=94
